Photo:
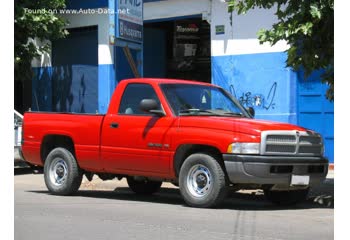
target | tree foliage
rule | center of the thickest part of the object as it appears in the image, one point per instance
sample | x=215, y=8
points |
x=35, y=19
x=307, y=26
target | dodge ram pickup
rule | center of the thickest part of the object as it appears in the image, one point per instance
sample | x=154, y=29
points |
x=194, y=135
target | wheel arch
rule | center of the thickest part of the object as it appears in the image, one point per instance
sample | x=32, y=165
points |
x=185, y=150
x=53, y=141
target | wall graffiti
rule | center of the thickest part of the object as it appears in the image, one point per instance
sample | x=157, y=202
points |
x=259, y=100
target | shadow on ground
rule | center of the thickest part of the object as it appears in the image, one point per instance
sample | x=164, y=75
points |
x=321, y=196
x=27, y=170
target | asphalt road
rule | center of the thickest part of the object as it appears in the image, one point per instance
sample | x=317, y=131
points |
x=110, y=210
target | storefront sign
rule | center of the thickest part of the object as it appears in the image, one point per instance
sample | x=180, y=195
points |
x=130, y=20
x=130, y=31
x=219, y=29
x=186, y=28
x=191, y=28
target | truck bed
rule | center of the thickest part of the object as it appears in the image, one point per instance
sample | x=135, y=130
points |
x=83, y=129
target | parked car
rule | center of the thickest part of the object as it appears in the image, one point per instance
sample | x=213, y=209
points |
x=195, y=135
x=18, y=121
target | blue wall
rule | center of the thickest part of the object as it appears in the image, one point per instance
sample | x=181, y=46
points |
x=260, y=81
x=277, y=93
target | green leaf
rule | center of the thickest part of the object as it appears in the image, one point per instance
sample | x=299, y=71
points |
x=315, y=12
x=31, y=25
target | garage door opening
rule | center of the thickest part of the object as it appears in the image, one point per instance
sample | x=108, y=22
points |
x=178, y=49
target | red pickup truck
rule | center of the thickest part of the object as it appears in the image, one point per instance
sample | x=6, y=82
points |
x=195, y=135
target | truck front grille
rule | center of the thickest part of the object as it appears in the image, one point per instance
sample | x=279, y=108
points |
x=280, y=148
x=310, y=149
x=281, y=138
x=291, y=143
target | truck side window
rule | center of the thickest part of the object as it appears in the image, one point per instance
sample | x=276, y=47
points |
x=132, y=96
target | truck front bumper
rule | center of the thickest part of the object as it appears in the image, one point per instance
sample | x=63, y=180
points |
x=275, y=170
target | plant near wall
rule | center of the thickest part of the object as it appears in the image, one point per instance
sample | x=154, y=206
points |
x=35, y=19
x=308, y=28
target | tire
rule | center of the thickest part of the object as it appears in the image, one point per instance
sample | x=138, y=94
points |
x=202, y=181
x=143, y=187
x=61, y=172
x=286, y=198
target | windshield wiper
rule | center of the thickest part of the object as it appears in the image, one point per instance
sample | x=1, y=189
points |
x=195, y=111
x=222, y=112
x=234, y=114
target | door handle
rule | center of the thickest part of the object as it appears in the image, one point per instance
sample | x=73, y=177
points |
x=114, y=125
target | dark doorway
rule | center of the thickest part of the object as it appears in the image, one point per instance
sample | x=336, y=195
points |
x=178, y=49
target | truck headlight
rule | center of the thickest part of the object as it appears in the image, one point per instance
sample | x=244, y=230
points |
x=244, y=148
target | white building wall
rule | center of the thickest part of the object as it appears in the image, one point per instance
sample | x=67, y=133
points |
x=175, y=8
x=241, y=37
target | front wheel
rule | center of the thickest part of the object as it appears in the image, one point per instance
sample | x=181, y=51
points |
x=144, y=186
x=61, y=172
x=286, y=197
x=202, y=181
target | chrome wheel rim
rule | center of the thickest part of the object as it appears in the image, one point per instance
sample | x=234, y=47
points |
x=58, y=172
x=199, y=181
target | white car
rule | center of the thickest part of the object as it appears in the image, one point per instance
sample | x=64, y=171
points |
x=18, y=120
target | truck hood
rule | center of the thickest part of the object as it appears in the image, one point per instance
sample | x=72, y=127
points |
x=235, y=124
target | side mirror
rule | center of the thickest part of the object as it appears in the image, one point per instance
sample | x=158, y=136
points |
x=251, y=111
x=150, y=106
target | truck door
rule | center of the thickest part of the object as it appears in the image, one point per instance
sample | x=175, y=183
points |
x=133, y=140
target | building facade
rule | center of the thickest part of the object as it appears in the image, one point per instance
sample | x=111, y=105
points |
x=186, y=39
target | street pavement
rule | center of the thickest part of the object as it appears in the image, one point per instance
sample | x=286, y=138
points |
x=109, y=210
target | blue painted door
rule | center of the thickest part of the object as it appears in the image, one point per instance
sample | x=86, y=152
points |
x=315, y=111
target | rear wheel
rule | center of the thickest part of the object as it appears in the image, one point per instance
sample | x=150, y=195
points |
x=61, y=172
x=286, y=197
x=143, y=186
x=202, y=181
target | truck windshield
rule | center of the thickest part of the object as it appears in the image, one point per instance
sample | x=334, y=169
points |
x=194, y=99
